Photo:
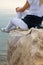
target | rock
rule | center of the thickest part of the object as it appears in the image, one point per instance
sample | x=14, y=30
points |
x=25, y=47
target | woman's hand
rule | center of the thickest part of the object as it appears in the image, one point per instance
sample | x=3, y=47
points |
x=18, y=9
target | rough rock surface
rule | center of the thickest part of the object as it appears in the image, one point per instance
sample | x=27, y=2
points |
x=25, y=47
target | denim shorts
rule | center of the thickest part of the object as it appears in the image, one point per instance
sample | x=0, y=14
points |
x=32, y=20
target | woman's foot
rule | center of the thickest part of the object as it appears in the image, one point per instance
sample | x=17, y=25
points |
x=3, y=30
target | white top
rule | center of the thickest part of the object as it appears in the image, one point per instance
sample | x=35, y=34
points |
x=34, y=7
x=40, y=12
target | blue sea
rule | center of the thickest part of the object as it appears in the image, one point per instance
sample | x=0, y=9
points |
x=4, y=19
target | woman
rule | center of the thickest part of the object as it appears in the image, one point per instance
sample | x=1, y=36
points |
x=31, y=20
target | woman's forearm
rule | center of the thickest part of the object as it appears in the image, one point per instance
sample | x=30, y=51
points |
x=27, y=5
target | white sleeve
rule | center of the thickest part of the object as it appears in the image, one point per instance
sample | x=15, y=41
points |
x=30, y=1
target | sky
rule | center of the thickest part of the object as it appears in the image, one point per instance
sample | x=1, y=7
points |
x=10, y=5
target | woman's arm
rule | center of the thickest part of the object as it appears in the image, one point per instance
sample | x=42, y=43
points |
x=27, y=5
x=41, y=2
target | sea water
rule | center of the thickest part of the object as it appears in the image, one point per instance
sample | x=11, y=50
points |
x=4, y=19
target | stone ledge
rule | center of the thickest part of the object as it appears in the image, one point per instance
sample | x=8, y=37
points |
x=25, y=47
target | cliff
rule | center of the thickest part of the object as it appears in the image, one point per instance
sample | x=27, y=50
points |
x=25, y=47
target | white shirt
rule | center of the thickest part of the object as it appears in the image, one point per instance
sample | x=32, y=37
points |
x=40, y=12
x=34, y=7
